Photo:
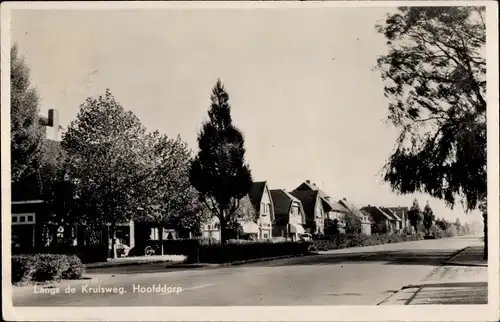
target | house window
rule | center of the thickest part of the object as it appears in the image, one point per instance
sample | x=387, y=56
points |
x=295, y=210
x=263, y=207
x=30, y=218
x=14, y=219
x=217, y=226
x=22, y=219
x=266, y=235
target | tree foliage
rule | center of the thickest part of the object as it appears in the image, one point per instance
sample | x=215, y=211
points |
x=415, y=215
x=352, y=224
x=27, y=134
x=172, y=201
x=219, y=171
x=331, y=227
x=435, y=78
x=106, y=162
x=428, y=217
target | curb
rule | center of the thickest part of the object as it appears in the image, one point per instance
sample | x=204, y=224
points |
x=458, y=252
x=129, y=263
x=195, y=265
x=451, y=263
x=237, y=263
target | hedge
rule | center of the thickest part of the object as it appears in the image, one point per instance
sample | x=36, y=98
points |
x=86, y=254
x=360, y=240
x=246, y=251
x=45, y=267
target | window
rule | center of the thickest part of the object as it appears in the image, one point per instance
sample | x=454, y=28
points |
x=22, y=219
x=266, y=235
x=14, y=219
x=263, y=207
x=30, y=218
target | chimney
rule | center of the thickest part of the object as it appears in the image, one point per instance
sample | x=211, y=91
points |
x=54, y=123
x=51, y=121
x=308, y=181
x=344, y=199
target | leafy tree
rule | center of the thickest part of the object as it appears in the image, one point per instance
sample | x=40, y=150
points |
x=58, y=191
x=443, y=224
x=428, y=217
x=352, y=224
x=173, y=201
x=27, y=134
x=233, y=229
x=331, y=227
x=435, y=77
x=106, y=163
x=219, y=171
x=415, y=215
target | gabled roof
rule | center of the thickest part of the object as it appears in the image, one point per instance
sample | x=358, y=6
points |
x=377, y=212
x=351, y=207
x=308, y=199
x=282, y=202
x=401, y=212
x=330, y=205
x=256, y=192
x=391, y=213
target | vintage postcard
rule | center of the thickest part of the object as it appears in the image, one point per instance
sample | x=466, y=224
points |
x=250, y=161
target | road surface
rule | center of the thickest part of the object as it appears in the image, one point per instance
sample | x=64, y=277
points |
x=362, y=276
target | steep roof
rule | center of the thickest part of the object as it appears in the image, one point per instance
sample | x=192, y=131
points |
x=330, y=205
x=256, y=192
x=308, y=200
x=351, y=207
x=282, y=202
x=401, y=212
x=376, y=212
x=391, y=213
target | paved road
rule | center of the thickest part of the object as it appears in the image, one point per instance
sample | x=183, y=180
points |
x=364, y=276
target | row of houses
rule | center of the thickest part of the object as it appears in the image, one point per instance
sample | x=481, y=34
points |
x=281, y=213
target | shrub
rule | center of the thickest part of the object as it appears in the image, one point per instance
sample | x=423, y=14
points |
x=361, y=240
x=244, y=251
x=45, y=267
x=86, y=253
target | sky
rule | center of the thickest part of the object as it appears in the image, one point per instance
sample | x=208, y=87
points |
x=301, y=83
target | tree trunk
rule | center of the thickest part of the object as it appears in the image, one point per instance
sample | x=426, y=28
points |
x=485, y=222
x=113, y=240
x=222, y=225
x=160, y=238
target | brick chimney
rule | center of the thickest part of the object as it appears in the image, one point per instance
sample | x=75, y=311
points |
x=308, y=181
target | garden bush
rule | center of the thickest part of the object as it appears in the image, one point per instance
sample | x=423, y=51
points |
x=245, y=251
x=86, y=253
x=360, y=240
x=45, y=267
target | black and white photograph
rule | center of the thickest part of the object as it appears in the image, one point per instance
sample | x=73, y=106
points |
x=241, y=161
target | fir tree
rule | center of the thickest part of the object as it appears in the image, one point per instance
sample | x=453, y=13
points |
x=219, y=171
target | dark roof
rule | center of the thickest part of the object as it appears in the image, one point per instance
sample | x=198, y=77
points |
x=391, y=213
x=281, y=201
x=308, y=200
x=329, y=204
x=402, y=212
x=338, y=207
x=256, y=192
x=376, y=213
